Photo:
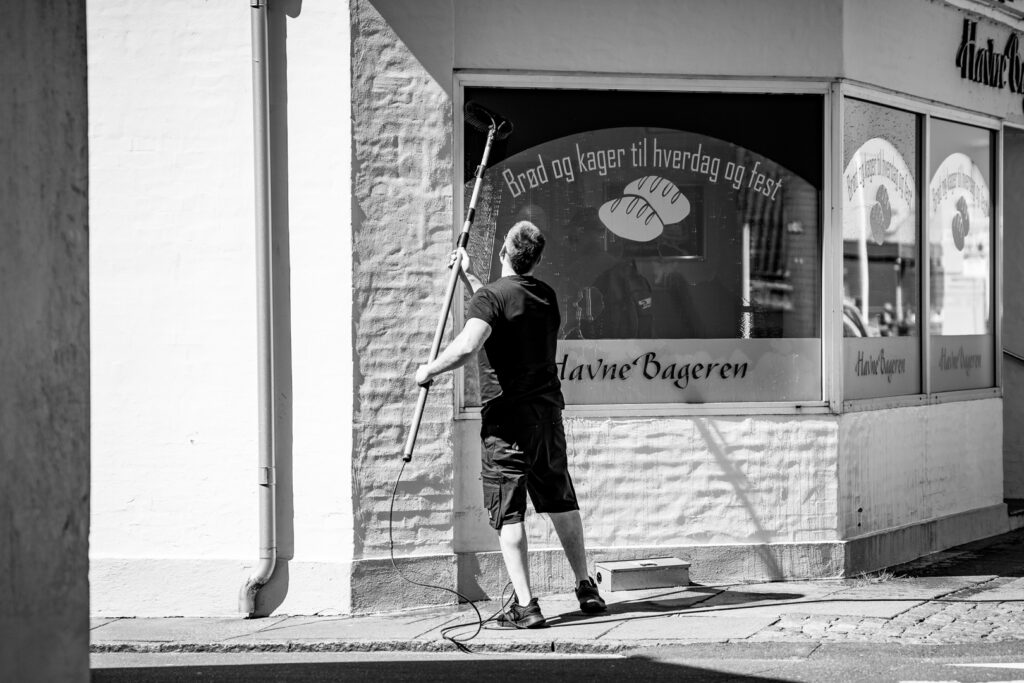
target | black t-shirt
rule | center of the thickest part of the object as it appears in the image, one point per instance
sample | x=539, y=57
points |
x=518, y=377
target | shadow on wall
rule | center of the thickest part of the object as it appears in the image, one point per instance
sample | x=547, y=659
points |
x=732, y=474
x=426, y=27
x=273, y=594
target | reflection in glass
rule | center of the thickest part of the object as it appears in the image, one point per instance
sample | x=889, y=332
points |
x=880, y=274
x=662, y=234
x=683, y=238
x=960, y=230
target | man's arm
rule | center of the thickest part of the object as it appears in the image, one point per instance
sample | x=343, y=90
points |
x=462, y=348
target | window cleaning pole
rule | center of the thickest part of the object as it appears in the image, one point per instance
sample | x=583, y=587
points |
x=264, y=315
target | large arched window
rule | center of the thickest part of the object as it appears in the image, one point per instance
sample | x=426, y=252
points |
x=683, y=238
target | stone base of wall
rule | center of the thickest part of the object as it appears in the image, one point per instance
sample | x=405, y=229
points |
x=482, y=575
x=144, y=587
x=906, y=543
x=148, y=588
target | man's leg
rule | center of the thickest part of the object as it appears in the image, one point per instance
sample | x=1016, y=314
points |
x=569, y=527
x=514, y=551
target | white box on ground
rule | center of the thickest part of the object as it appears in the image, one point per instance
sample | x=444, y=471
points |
x=653, y=572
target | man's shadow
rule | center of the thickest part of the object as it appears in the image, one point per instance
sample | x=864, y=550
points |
x=694, y=598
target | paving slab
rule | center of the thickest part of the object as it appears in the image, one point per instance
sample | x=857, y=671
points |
x=767, y=594
x=568, y=625
x=690, y=627
x=925, y=588
x=95, y=623
x=1004, y=591
x=178, y=630
x=362, y=628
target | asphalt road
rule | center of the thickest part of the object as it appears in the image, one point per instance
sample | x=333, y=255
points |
x=833, y=662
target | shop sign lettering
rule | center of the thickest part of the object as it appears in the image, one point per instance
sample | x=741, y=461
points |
x=984, y=64
x=952, y=179
x=960, y=360
x=648, y=366
x=879, y=196
x=642, y=153
x=879, y=365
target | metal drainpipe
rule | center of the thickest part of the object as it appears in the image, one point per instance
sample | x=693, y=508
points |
x=264, y=316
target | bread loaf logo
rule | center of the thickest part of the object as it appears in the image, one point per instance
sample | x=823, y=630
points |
x=881, y=215
x=879, y=195
x=961, y=223
x=647, y=205
x=959, y=199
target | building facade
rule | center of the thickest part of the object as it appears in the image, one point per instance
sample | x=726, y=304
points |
x=780, y=233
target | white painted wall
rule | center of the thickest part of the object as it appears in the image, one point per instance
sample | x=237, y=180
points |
x=910, y=47
x=680, y=482
x=909, y=465
x=174, y=526
x=791, y=38
x=726, y=37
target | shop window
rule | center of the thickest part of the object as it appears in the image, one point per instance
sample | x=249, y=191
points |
x=683, y=238
x=881, y=278
x=960, y=239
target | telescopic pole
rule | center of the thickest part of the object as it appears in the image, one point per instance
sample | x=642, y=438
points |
x=453, y=278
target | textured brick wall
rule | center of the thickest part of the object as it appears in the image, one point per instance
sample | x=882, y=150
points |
x=706, y=480
x=684, y=481
x=44, y=344
x=402, y=231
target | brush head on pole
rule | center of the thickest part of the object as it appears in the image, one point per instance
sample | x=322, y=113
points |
x=483, y=119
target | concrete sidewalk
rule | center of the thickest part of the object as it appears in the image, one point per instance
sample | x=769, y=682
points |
x=970, y=594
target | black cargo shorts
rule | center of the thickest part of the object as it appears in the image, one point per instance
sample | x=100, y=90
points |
x=525, y=458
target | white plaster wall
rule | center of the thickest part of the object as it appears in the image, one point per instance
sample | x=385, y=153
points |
x=792, y=38
x=907, y=46
x=174, y=325
x=725, y=37
x=402, y=233
x=910, y=47
x=680, y=481
x=909, y=465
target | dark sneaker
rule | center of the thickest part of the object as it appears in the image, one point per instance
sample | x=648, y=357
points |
x=520, y=616
x=590, y=599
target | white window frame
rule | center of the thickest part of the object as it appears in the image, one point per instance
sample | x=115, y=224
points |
x=927, y=110
x=823, y=87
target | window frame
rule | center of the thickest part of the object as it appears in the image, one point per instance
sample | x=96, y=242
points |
x=927, y=110
x=823, y=87
x=833, y=92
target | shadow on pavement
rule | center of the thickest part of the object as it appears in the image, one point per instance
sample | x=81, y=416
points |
x=1004, y=557
x=673, y=604
x=456, y=669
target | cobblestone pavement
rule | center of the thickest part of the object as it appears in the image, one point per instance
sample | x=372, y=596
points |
x=990, y=608
x=940, y=621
